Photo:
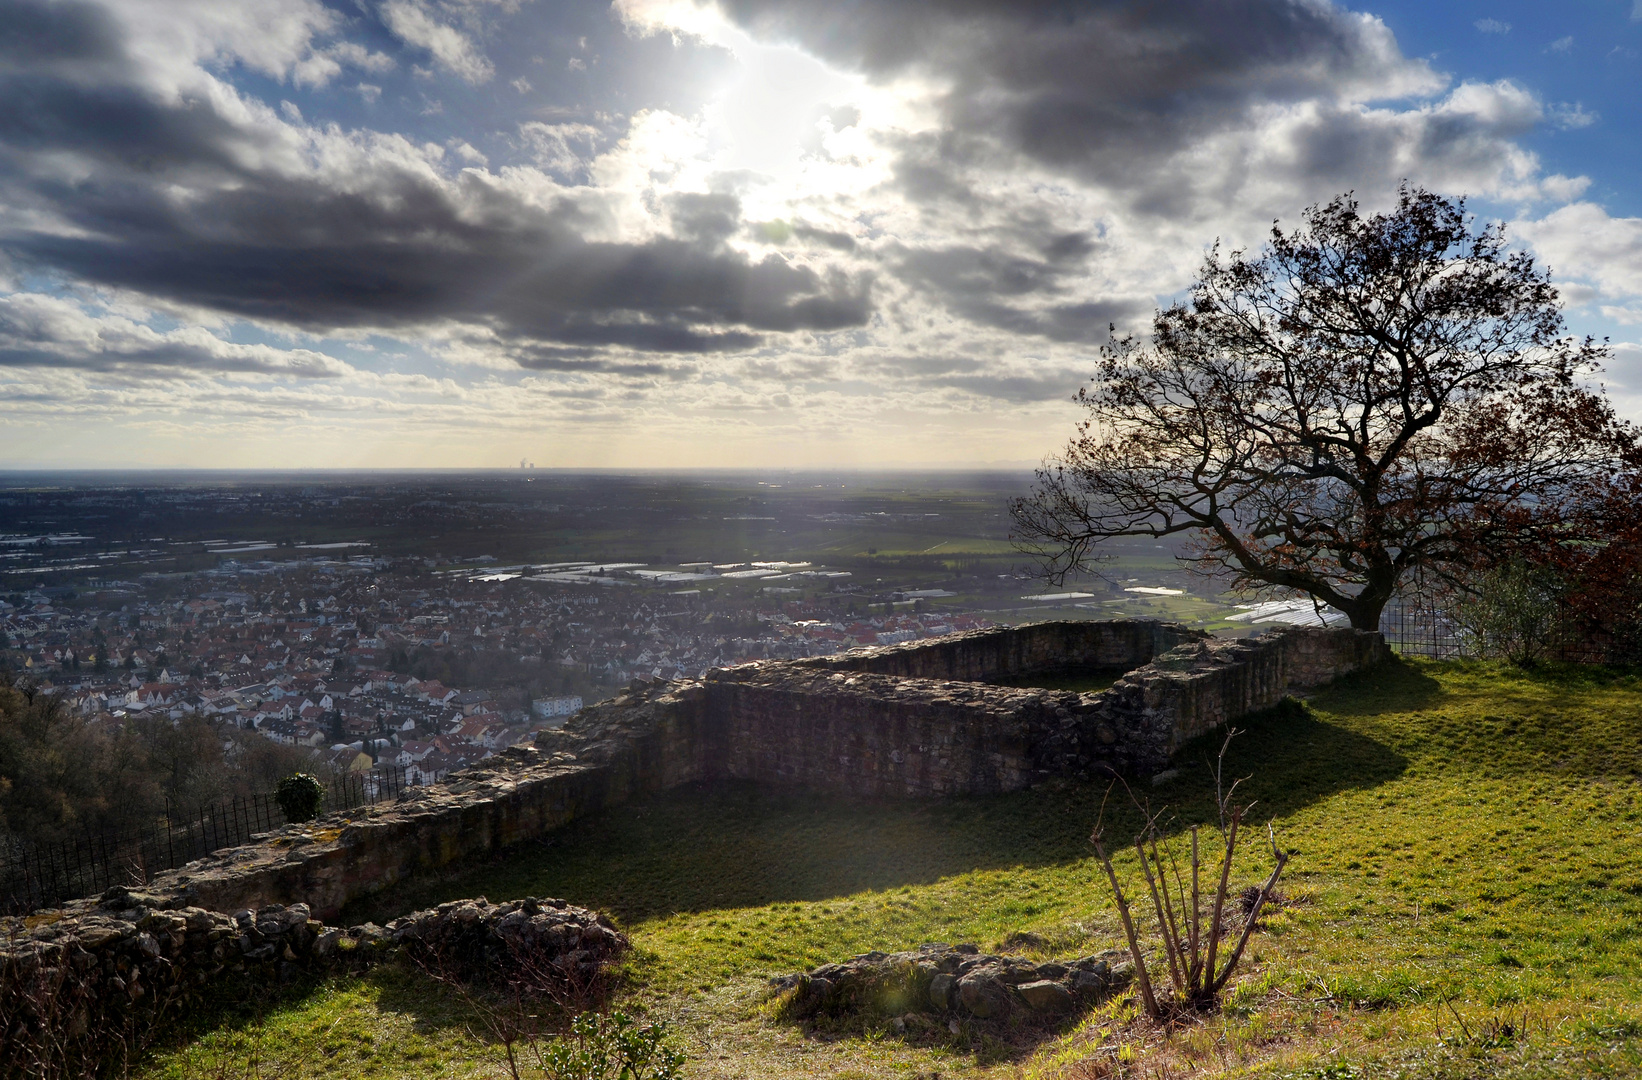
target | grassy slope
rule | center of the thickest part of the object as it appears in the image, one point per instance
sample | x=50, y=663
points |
x=1464, y=834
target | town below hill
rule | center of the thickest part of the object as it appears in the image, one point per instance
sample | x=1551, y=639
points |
x=193, y=638
x=364, y=665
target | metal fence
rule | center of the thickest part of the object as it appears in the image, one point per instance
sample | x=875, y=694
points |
x=34, y=876
x=1429, y=630
x=1421, y=631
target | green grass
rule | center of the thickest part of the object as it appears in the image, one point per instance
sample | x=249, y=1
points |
x=1078, y=680
x=1468, y=843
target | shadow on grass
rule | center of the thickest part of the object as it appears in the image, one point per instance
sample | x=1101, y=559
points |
x=700, y=848
x=1399, y=686
x=1492, y=719
x=1290, y=758
x=236, y=1008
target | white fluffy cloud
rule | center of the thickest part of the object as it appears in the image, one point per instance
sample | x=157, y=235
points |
x=39, y=330
x=1583, y=242
x=421, y=25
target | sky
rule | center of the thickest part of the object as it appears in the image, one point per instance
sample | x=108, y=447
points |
x=723, y=233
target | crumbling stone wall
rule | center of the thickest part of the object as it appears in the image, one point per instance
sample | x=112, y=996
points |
x=1202, y=686
x=838, y=724
x=822, y=724
x=1006, y=651
x=90, y=980
x=877, y=735
x=883, y=722
x=647, y=740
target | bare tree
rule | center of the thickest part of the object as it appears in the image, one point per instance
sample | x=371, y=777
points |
x=1367, y=398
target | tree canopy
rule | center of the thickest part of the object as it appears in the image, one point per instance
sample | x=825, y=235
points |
x=1369, y=398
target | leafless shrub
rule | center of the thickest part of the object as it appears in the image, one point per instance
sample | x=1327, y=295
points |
x=522, y=1000
x=1487, y=1033
x=1191, y=937
x=60, y=1018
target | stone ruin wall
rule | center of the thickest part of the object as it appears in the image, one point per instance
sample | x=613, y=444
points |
x=76, y=986
x=905, y=721
x=831, y=724
x=989, y=655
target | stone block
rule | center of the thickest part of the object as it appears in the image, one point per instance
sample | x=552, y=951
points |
x=940, y=991
x=984, y=995
x=1046, y=996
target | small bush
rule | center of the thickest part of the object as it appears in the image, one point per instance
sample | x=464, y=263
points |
x=604, y=1047
x=300, y=797
x=1510, y=612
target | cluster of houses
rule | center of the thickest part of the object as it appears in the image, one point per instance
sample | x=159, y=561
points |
x=323, y=655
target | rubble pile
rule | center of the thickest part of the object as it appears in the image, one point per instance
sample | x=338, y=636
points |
x=77, y=981
x=537, y=941
x=954, y=981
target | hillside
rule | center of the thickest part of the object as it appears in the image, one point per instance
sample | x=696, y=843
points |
x=1464, y=900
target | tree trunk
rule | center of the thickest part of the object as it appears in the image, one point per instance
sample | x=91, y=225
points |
x=1365, y=611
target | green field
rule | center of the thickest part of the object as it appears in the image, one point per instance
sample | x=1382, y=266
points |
x=1465, y=900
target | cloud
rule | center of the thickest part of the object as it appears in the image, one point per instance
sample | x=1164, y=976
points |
x=1569, y=117
x=1583, y=242
x=169, y=40
x=1022, y=292
x=1562, y=45
x=239, y=210
x=416, y=24
x=38, y=330
x=566, y=149
x=1100, y=89
x=1492, y=26
x=925, y=245
x=1184, y=113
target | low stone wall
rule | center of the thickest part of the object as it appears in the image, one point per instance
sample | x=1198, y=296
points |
x=817, y=724
x=1203, y=686
x=91, y=980
x=1006, y=651
x=644, y=741
x=838, y=725
x=876, y=735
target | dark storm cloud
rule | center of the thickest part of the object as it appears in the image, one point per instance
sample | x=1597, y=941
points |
x=175, y=199
x=1104, y=89
x=301, y=363
x=709, y=218
x=49, y=34
x=1017, y=292
x=67, y=85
